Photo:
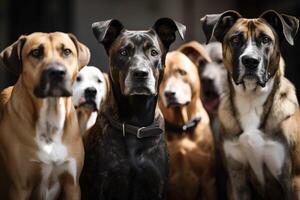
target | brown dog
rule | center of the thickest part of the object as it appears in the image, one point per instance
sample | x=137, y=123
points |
x=189, y=137
x=259, y=111
x=40, y=144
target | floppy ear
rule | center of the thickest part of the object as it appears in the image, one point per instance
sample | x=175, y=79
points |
x=195, y=51
x=11, y=56
x=218, y=24
x=285, y=26
x=166, y=29
x=107, y=31
x=83, y=52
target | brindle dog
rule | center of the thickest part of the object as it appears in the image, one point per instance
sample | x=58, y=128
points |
x=259, y=111
x=126, y=155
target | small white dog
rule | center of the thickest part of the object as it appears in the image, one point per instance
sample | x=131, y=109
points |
x=89, y=91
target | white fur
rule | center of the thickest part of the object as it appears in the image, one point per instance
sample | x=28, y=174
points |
x=52, y=154
x=92, y=120
x=182, y=90
x=251, y=147
x=251, y=50
x=89, y=76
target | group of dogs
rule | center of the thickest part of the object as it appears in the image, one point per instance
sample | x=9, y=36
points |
x=142, y=131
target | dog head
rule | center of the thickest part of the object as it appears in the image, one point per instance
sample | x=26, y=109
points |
x=251, y=47
x=136, y=58
x=47, y=62
x=89, y=88
x=213, y=76
x=181, y=83
x=209, y=61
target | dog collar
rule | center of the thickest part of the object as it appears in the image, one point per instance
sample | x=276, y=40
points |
x=140, y=132
x=190, y=125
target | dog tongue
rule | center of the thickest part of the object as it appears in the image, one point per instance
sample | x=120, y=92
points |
x=211, y=103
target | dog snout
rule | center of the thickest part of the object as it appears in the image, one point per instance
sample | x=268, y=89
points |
x=90, y=92
x=250, y=62
x=169, y=94
x=140, y=73
x=56, y=73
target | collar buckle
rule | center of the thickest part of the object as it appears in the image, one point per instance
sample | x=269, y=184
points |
x=138, y=134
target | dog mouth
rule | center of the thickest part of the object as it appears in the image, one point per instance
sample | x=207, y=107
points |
x=87, y=103
x=252, y=77
x=174, y=102
x=53, y=90
x=210, y=96
x=140, y=89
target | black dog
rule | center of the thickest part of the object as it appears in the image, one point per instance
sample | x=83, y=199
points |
x=126, y=155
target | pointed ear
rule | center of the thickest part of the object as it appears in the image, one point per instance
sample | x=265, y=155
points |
x=195, y=52
x=11, y=56
x=285, y=26
x=218, y=24
x=166, y=29
x=107, y=31
x=83, y=52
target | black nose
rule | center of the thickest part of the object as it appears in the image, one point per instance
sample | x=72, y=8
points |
x=250, y=62
x=56, y=73
x=90, y=92
x=140, y=73
x=207, y=80
x=169, y=94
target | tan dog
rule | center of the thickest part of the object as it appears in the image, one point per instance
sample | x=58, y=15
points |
x=189, y=137
x=40, y=144
x=259, y=111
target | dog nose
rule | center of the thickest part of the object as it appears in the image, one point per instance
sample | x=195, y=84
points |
x=207, y=80
x=169, y=94
x=90, y=92
x=140, y=73
x=57, y=73
x=250, y=62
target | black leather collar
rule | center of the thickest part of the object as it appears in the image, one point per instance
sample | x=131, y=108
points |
x=140, y=132
x=190, y=125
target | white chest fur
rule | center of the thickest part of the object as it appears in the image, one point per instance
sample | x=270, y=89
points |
x=53, y=154
x=252, y=147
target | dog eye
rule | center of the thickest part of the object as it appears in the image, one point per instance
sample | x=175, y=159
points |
x=78, y=79
x=235, y=40
x=123, y=52
x=265, y=40
x=154, y=52
x=67, y=52
x=36, y=53
x=181, y=72
x=99, y=81
x=219, y=61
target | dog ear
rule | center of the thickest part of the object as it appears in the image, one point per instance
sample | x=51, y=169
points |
x=11, y=56
x=107, y=31
x=285, y=26
x=195, y=52
x=218, y=24
x=83, y=52
x=166, y=29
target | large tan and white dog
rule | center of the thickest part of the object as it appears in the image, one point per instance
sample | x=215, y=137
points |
x=41, y=151
x=89, y=92
x=189, y=137
x=259, y=112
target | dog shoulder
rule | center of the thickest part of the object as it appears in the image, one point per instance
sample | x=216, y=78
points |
x=285, y=110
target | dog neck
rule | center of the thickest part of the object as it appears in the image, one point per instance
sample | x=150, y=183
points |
x=49, y=113
x=138, y=110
